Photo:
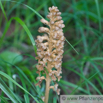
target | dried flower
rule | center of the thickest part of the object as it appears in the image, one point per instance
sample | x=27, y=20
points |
x=50, y=50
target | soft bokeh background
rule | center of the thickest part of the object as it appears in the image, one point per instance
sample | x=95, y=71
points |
x=83, y=57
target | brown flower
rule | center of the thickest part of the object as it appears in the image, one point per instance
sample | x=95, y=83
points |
x=50, y=50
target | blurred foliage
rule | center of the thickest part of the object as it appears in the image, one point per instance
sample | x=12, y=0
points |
x=82, y=73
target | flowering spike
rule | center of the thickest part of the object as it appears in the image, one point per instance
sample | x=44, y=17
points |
x=50, y=50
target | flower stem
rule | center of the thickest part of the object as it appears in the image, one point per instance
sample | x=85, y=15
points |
x=47, y=88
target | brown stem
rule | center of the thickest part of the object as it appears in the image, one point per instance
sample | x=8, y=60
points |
x=48, y=80
x=47, y=88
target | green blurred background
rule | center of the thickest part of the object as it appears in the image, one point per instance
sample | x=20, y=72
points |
x=82, y=68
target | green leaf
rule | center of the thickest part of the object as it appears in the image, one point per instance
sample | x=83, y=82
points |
x=3, y=99
x=97, y=69
x=9, y=78
x=24, y=26
x=9, y=92
x=11, y=57
x=99, y=15
x=96, y=58
x=72, y=85
x=23, y=74
x=86, y=80
x=26, y=98
x=3, y=9
x=54, y=100
x=71, y=46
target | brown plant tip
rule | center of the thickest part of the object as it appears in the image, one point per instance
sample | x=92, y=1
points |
x=50, y=48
